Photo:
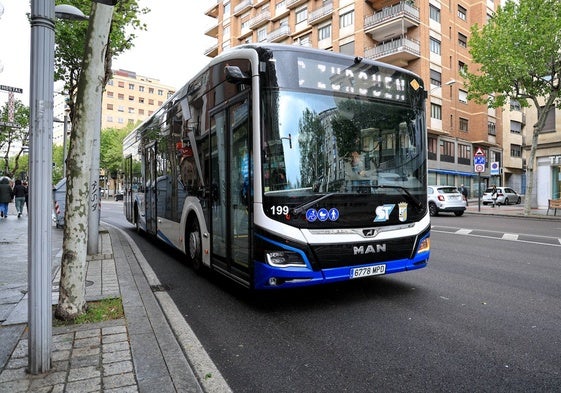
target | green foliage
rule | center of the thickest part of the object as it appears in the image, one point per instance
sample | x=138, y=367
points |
x=97, y=311
x=13, y=162
x=517, y=53
x=70, y=40
x=111, y=158
x=58, y=167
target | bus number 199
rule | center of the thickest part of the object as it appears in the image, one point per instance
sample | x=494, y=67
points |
x=279, y=210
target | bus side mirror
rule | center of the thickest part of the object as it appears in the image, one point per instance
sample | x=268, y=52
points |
x=235, y=75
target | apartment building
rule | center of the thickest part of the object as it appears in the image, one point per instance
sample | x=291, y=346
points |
x=129, y=98
x=426, y=37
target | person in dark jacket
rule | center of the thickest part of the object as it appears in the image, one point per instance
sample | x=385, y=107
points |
x=6, y=196
x=19, y=196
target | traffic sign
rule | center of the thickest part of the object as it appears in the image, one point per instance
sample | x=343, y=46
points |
x=12, y=89
x=479, y=152
x=479, y=160
x=480, y=168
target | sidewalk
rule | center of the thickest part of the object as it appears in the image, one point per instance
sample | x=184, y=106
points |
x=510, y=210
x=140, y=353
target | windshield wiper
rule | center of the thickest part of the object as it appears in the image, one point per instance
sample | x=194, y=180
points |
x=307, y=205
x=410, y=196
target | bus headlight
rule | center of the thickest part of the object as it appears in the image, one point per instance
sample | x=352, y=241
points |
x=284, y=258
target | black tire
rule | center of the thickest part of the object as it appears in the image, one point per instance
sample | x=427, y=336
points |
x=193, y=246
x=458, y=214
x=506, y=201
x=136, y=219
x=518, y=201
x=433, y=210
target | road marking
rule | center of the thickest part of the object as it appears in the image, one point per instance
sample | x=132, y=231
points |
x=510, y=236
x=519, y=237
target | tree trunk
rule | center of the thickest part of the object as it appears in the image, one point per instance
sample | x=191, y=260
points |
x=72, y=293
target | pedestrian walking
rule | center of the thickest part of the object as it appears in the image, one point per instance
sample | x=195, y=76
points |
x=6, y=196
x=464, y=193
x=26, y=197
x=19, y=192
x=494, y=195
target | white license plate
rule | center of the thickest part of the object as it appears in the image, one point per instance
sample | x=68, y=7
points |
x=366, y=271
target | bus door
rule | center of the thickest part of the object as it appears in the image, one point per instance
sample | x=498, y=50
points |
x=231, y=172
x=128, y=197
x=151, y=189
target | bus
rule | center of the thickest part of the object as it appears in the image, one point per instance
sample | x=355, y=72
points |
x=282, y=166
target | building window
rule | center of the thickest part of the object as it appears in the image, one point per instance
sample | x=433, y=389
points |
x=131, y=110
x=141, y=112
x=434, y=13
x=324, y=32
x=140, y=88
x=446, y=151
x=121, y=108
x=435, y=46
x=462, y=13
x=120, y=120
x=110, y=119
x=515, y=127
x=121, y=96
x=109, y=107
x=227, y=10
x=549, y=125
x=131, y=86
x=348, y=48
x=347, y=19
x=150, y=90
x=262, y=34
x=141, y=100
x=131, y=98
x=462, y=40
x=432, y=148
x=111, y=82
x=464, y=124
x=121, y=84
x=464, y=154
x=515, y=150
x=436, y=111
x=463, y=96
x=110, y=94
x=301, y=15
x=150, y=102
x=435, y=78
x=491, y=128
x=160, y=92
x=462, y=68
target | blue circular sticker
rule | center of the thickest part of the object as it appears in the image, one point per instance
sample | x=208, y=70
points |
x=333, y=214
x=323, y=214
x=311, y=215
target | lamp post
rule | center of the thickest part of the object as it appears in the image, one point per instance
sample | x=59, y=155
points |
x=40, y=157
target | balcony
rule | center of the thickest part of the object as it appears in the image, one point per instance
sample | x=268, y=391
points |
x=392, y=21
x=295, y=3
x=212, y=32
x=279, y=34
x=213, y=11
x=244, y=6
x=259, y=19
x=399, y=51
x=321, y=14
x=212, y=51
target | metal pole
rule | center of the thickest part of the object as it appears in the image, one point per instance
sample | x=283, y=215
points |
x=40, y=187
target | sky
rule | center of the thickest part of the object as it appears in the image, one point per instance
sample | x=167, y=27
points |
x=171, y=50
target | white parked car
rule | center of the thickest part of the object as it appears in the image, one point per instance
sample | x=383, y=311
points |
x=445, y=199
x=505, y=196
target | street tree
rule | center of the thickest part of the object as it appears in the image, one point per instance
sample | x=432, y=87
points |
x=80, y=192
x=14, y=137
x=70, y=42
x=518, y=58
x=112, y=149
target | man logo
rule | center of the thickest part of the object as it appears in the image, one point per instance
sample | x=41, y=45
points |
x=369, y=249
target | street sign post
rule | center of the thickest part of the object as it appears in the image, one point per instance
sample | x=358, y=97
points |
x=479, y=161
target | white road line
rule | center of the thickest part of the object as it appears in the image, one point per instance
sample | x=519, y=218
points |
x=510, y=236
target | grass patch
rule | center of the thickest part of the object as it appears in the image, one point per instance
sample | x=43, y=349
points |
x=98, y=311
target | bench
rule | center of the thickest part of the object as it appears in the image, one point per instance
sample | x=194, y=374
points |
x=553, y=204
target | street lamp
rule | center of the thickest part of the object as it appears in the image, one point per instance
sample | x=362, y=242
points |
x=449, y=83
x=40, y=157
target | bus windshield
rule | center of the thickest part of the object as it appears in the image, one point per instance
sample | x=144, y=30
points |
x=318, y=143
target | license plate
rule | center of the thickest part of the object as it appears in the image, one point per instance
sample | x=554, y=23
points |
x=366, y=271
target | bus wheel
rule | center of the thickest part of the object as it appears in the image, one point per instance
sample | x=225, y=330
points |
x=194, y=246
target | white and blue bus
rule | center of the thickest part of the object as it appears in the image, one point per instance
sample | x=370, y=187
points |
x=282, y=166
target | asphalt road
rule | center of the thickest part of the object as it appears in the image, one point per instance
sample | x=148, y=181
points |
x=483, y=317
